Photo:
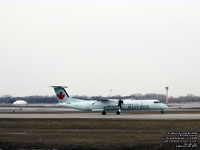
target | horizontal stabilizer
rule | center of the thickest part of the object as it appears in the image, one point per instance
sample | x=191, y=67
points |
x=57, y=86
x=61, y=93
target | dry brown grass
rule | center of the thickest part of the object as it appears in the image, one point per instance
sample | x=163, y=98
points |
x=88, y=134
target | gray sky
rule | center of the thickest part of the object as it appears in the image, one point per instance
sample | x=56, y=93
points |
x=93, y=46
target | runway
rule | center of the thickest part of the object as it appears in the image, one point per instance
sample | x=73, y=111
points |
x=108, y=116
x=35, y=109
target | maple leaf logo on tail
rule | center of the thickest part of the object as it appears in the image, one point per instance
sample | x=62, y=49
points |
x=61, y=96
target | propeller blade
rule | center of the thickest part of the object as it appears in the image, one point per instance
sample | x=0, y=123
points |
x=120, y=103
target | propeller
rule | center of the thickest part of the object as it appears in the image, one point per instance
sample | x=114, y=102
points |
x=120, y=102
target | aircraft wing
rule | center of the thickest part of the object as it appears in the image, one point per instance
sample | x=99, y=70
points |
x=105, y=100
x=101, y=99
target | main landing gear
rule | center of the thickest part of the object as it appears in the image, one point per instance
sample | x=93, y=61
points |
x=118, y=112
x=162, y=112
x=104, y=112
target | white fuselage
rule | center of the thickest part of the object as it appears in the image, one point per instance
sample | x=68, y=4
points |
x=111, y=104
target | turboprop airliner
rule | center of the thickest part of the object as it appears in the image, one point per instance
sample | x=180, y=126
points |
x=104, y=105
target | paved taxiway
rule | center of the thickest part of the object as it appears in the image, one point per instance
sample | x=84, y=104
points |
x=190, y=111
x=35, y=109
x=109, y=115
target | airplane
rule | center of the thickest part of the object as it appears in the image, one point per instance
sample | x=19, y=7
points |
x=104, y=105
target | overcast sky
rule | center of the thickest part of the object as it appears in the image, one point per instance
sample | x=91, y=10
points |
x=93, y=46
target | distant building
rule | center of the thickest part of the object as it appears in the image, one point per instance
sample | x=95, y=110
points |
x=20, y=102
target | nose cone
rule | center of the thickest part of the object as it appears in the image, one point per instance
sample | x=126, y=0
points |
x=164, y=106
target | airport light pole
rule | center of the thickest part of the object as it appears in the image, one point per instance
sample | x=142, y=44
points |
x=110, y=92
x=167, y=89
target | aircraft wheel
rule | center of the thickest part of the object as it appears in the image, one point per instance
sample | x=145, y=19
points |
x=103, y=112
x=118, y=113
x=162, y=112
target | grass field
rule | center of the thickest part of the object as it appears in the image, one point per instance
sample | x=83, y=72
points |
x=91, y=134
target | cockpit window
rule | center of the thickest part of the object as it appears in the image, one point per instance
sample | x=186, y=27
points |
x=156, y=102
